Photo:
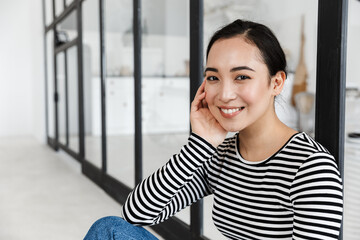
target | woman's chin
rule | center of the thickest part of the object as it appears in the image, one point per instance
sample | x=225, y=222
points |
x=231, y=128
x=229, y=125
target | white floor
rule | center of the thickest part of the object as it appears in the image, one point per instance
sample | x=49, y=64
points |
x=43, y=195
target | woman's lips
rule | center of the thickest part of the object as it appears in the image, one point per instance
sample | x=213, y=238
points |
x=229, y=112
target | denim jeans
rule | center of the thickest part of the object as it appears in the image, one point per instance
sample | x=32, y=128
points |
x=116, y=228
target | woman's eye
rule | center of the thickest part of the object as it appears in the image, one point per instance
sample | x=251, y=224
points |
x=212, y=78
x=242, y=77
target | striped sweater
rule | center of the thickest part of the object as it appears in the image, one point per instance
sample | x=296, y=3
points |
x=294, y=194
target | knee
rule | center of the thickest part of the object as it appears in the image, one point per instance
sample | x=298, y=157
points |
x=108, y=222
x=103, y=228
x=116, y=228
x=109, y=219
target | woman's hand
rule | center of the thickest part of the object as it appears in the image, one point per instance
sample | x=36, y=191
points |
x=203, y=122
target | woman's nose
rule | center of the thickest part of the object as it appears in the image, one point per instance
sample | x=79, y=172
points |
x=227, y=92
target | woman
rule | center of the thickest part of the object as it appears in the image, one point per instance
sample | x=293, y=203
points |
x=268, y=181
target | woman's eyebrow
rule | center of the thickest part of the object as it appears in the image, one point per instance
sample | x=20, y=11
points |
x=241, y=68
x=231, y=70
x=211, y=69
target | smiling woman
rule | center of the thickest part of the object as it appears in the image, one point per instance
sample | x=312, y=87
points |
x=268, y=180
x=243, y=75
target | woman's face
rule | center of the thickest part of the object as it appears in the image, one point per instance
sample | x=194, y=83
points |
x=238, y=91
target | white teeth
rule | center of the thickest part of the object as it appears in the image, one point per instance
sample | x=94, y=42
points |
x=229, y=111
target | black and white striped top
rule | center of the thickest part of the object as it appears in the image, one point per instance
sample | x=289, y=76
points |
x=294, y=194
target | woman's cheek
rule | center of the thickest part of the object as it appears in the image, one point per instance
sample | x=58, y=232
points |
x=209, y=97
x=249, y=94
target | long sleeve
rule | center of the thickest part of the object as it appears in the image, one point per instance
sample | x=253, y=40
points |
x=179, y=183
x=317, y=198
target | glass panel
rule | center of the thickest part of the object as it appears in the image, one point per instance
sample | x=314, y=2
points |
x=165, y=82
x=351, y=220
x=67, y=29
x=91, y=68
x=287, y=28
x=73, y=101
x=61, y=89
x=48, y=12
x=120, y=90
x=59, y=7
x=50, y=83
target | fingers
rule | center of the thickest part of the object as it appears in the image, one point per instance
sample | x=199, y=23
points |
x=199, y=100
x=200, y=89
x=197, y=103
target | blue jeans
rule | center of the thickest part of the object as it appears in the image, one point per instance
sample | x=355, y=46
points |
x=116, y=228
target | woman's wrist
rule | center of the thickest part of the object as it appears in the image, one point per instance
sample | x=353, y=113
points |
x=214, y=142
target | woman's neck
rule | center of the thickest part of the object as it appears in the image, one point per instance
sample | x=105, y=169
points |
x=261, y=140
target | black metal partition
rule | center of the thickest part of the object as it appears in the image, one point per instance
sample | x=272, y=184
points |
x=137, y=87
x=80, y=83
x=196, y=76
x=330, y=89
x=331, y=77
x=63, y=49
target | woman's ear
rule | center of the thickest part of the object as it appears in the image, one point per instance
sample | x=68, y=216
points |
x=277, y=82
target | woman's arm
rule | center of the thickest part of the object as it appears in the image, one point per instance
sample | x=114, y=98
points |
x=317, y=199
x=171, y=188
x=182, y=180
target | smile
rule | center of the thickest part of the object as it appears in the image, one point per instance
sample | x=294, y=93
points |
x=230, y=112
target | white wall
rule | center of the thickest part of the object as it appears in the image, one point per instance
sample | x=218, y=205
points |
x=21, y=69
x=353, y=47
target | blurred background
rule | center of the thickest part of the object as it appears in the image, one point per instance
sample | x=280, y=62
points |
x=72, y=144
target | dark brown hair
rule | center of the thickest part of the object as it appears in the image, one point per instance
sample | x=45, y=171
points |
x=259, y=35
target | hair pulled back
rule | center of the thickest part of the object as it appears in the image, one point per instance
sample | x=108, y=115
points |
x=259, y=35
